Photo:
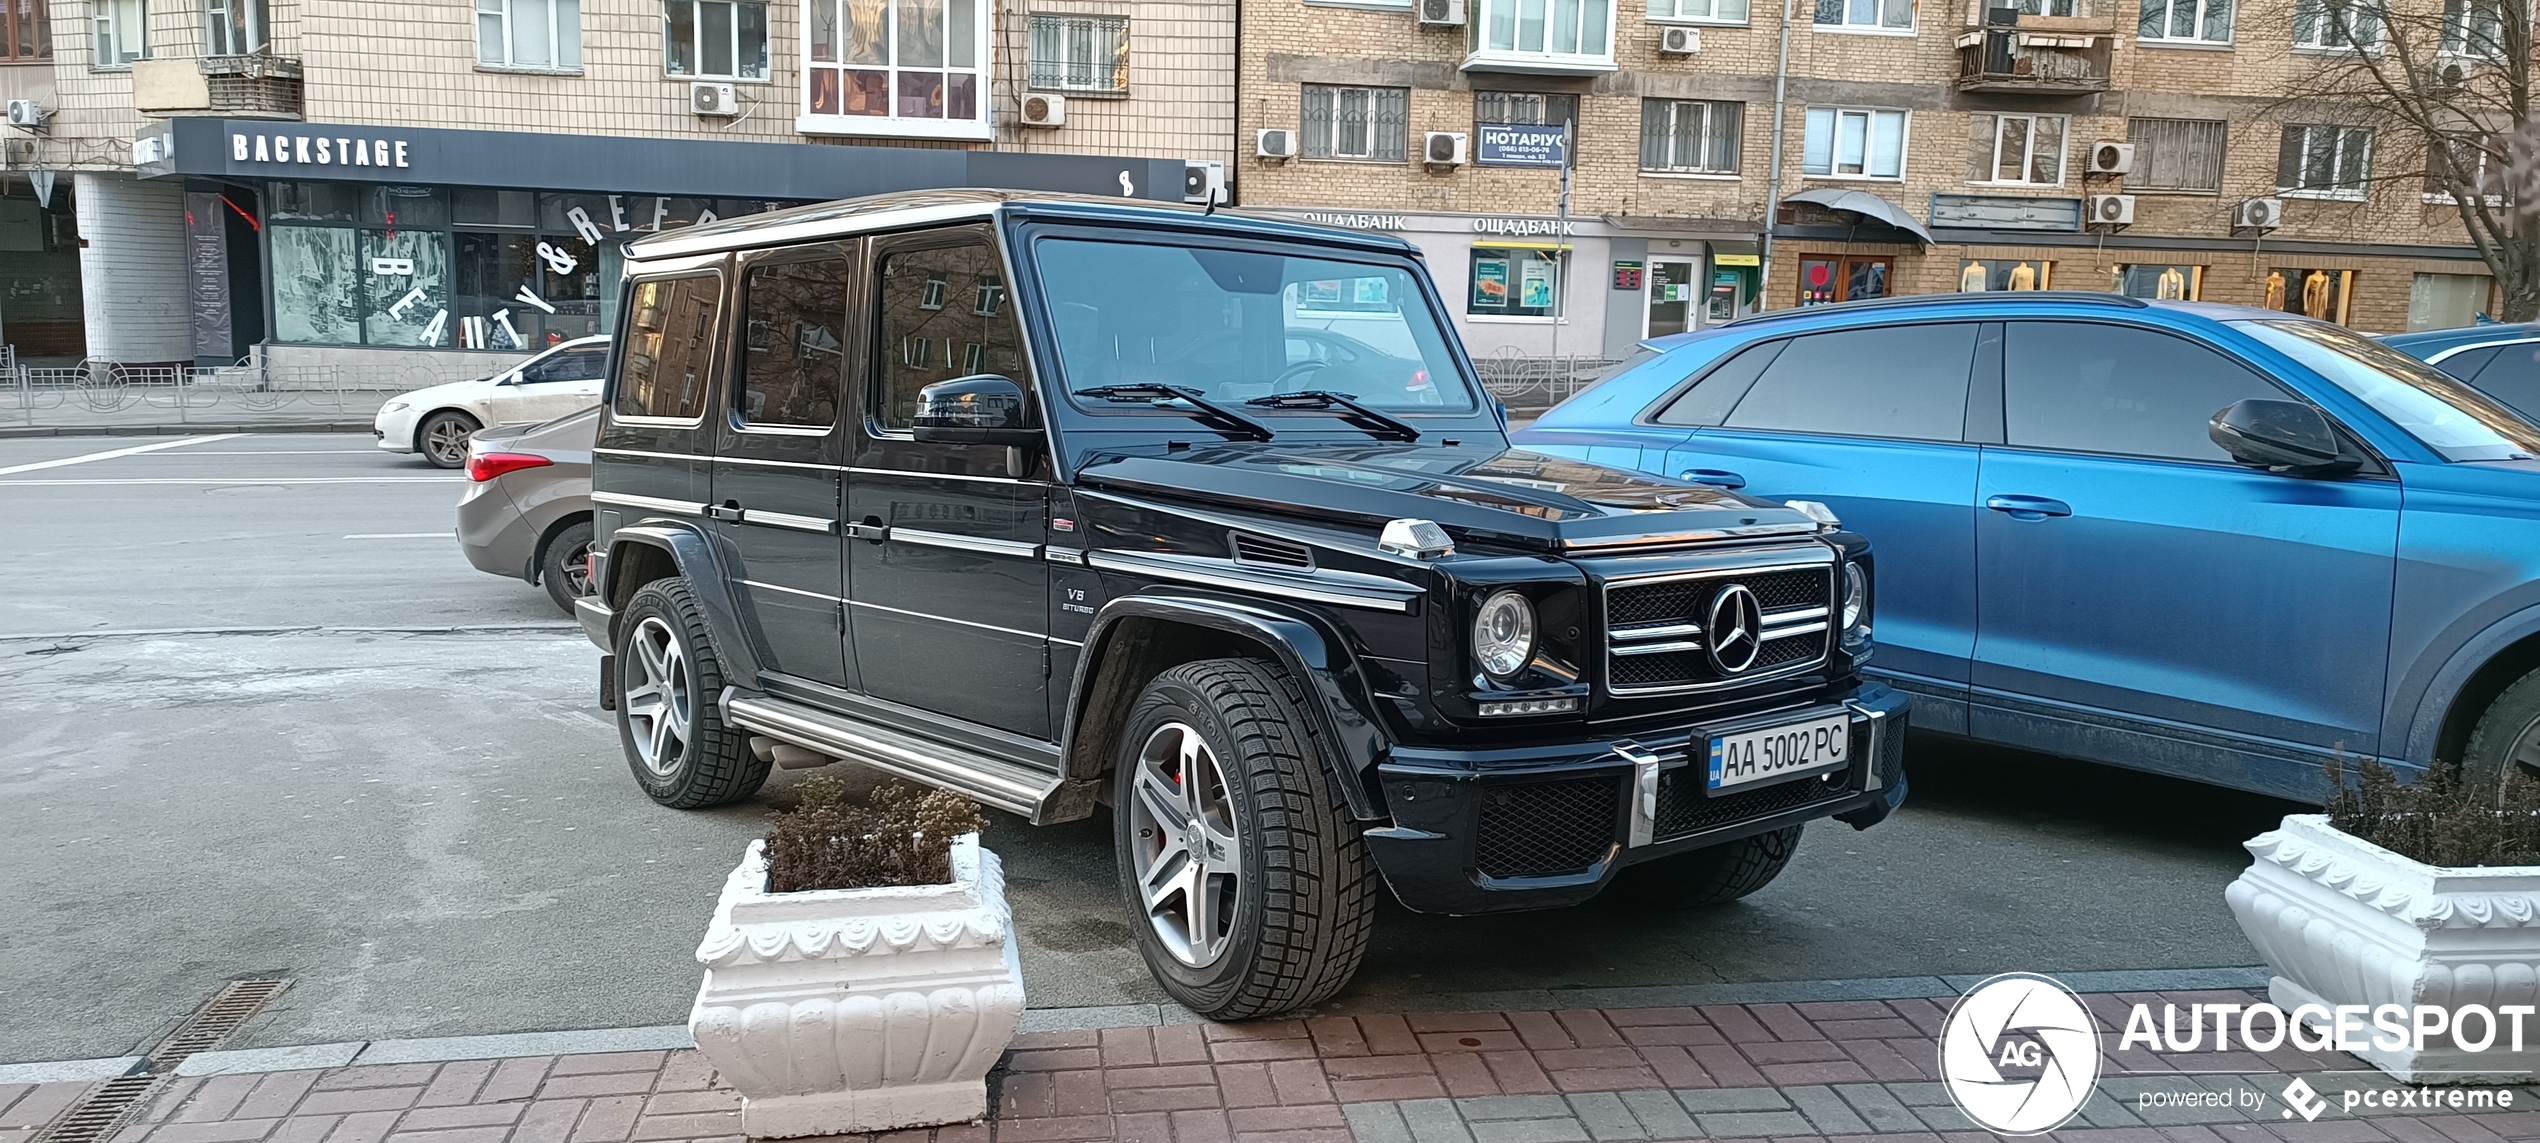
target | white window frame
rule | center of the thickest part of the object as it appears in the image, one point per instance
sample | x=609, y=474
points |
x=1589, y=47
x=564, y=35
x=1072, y=33
x=1881, y=19
x=1340, y=96
x=2202, y=9
x=2318, y=12
x=2490, y=174
x=241, y=20
x=2028, y=150
x=1711, y=108
x=696, y=20
x=2342, y=137
x=976, y=128
x=2458, y=19
x=1870, y=118
x=1699, y=12
x=111, y=24
x=2056, y=8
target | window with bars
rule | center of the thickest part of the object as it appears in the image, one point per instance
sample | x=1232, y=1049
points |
x=2186, y=21
x=232, y=27
x=539, y=35
x=2176, y=154
x=1368, y=123
x=1690, y=136
x=1525, y=107
x=2336, y=25
x=26, y=30
x=715, y=39
x=2323, y=160
x=122, y=32
x=1080, y=53
x=1848, y=143
x=2026, y=150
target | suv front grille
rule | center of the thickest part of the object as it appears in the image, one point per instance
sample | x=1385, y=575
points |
x=1533, y=829
x=1682, y=808
x=1655, y=641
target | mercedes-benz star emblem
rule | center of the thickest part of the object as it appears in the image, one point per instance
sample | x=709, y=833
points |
x=1734, y=629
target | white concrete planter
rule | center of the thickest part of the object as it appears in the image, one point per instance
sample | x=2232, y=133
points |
x=2343, y=921
x=848, y=1010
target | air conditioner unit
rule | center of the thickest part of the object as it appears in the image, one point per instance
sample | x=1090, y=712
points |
x=2450, y=74
x=2112, y=209
x=1204, y=181
x=26, y=113
x=713, y=99
x=1042, y=110
x=1679, y=41
x=2258, y=214
x=1443, y=148
x=1274, y=143
x=1442, y=13
x=2111, y=158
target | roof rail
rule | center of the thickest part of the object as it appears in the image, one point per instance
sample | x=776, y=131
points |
x=2085, y=297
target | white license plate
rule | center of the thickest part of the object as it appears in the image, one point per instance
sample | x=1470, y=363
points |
x=1781, y=751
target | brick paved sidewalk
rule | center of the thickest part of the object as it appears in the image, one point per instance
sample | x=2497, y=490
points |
x=1848, y=1072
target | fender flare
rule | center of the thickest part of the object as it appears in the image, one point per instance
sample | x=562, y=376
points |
x=2434, y=700
x=1306, y=644
x=693, y=552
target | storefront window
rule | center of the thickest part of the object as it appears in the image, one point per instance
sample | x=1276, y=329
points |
x=2310, y=292
x=1976, y=274
x=313, y=202
x=314, y=296
x=406, y=288
x=41, y=306
x=2177, y=283
x=1514, y=282
x=404, y=207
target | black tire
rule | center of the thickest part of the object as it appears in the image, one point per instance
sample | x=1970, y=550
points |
x=1713, y=876
x=441, y=439
x=564, y=569
x=709, y=764
x=2506, y=739
x=1302, y=901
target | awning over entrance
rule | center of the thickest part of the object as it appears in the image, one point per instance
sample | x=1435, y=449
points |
x=1865, y=205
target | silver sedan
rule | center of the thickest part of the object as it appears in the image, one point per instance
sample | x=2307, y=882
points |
x=527, y=511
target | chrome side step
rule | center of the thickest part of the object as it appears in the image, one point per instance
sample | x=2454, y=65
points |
x=1019, y=790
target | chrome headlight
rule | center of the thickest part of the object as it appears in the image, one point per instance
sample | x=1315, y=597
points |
x=1856, y=596
x=1504, y=635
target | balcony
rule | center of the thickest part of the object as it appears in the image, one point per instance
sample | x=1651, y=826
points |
x=256, y=86
x=2036, y=57
x=1541, y=37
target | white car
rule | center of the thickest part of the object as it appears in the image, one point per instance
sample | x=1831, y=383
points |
x=437, y=421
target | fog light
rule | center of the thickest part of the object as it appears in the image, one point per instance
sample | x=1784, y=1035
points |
x=1529, y=706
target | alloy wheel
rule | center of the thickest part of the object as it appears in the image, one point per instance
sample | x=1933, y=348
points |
x=658, y=699
x=1187, y=857
x=446, y=440
x=577, y=571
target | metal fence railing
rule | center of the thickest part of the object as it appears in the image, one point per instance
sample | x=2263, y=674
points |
x=1533, y=383
x=97, y=391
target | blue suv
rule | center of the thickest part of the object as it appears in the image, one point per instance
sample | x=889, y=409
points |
x=2201, y=540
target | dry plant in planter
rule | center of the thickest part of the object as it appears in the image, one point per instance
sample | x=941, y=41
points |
x=860, y=967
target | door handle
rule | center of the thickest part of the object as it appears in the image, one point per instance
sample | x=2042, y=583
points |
x=2028, y=507
x=1719, y=477
x=728, y=510
x=871, y=529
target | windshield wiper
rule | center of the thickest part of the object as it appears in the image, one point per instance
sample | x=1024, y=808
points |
x=1203, y=408
x=1377, y=424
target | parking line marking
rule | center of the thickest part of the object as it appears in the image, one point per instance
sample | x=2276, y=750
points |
x=237, y=480
x=401, y=535
x=111, y=454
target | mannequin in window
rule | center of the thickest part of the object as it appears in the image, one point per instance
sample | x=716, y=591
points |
x=2023, y=277
x=1972, y=279
x=2315, y=294
x=2172, y=285
x=2275, y=289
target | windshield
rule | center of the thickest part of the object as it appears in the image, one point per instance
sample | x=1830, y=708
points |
x=1239, y=325
x=2451, y=418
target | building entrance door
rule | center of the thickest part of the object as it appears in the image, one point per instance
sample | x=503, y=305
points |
x=1672, y=288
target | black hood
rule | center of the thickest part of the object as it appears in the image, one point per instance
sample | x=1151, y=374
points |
x=1514, y=497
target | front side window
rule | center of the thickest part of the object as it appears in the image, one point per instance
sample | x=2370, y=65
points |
x=2456, y=421
x=123, y=31
x=715, y=39
x=2474, y=28
x=1690, y=136
x=2186, y=21
x=2026, y=150
x=2085, y=387
x=2336, y=25
x=1866, y=15
x=669, y=346
x=1845, y=143
x=2176, y=154
x=1080, y=53
x=1541, y=28
x=2322, y=160
x=541, y=35
x=1367, y=123
x=945, y=313
x=1817, y=385
x=26, y=30
x=570, y=365
x=1513, y=281
x=1698, y=11
x=895, y=67
x=793, y=357
x=230, y=27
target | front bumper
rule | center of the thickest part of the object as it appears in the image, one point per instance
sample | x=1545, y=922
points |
x=394, y=431
x=1492, y=831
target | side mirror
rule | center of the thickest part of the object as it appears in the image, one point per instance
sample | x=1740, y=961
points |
x=982, y=409
x=2279, y=435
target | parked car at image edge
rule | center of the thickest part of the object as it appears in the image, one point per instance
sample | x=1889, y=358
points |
x=931, y=483
x=527, y=509
x=437, y=420
x=2502, y=361
x=2201, y=540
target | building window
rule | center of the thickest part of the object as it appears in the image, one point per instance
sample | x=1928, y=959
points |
x=2477, y=162
x=2323, y=160
x=1525, y=107
x=230, y=27
x=1866, y=15
x=2318, y=293
x=715, y=39
x=2186, y=21
x=544, y=35
x=1697, y=11
x=1844, y=143
x=2446, y=301
x=895, y=67
x=1080, y=53
x=1543, y=31
x=1368, y=123
x=1690, y=136
x=123, y=31
x=2019, y=150
x=2474, y=28
x=2039, y=7
x=1514, y=281
x=1981, y=274
x=26, y=30
x=2176, y=154
x=2175, y=283
x=2336, y=25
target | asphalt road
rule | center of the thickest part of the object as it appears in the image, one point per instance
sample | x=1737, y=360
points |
x=434, y=834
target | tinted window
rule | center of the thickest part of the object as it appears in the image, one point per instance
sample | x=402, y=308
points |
x=576, y=365
x=2513, y=377
x=944, y=314
x=1906, y=381
x=2455, y=420
x=2466, y=364
x=793, y=361
x=669, y=341
x=2082, y=387
x=1711, y=398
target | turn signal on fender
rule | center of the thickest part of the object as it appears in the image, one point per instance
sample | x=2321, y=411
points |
x=485, y=466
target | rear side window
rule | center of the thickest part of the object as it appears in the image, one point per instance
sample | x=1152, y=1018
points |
x=1901, y=381
x=1711, y=398
x=2085, y=387
x=669, y=343
x=2513, y=377
x=793, y=360
x=2466, y=364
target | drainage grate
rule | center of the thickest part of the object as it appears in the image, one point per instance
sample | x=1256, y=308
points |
x=96, y=1116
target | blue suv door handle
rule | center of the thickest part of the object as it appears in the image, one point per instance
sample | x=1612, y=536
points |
x=2028, y=507
x=1716, y=476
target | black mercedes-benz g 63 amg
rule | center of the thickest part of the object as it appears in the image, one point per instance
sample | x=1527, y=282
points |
x=1070, y=503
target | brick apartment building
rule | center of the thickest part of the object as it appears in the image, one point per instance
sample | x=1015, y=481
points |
x=1921, y=150
x=313, y=181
